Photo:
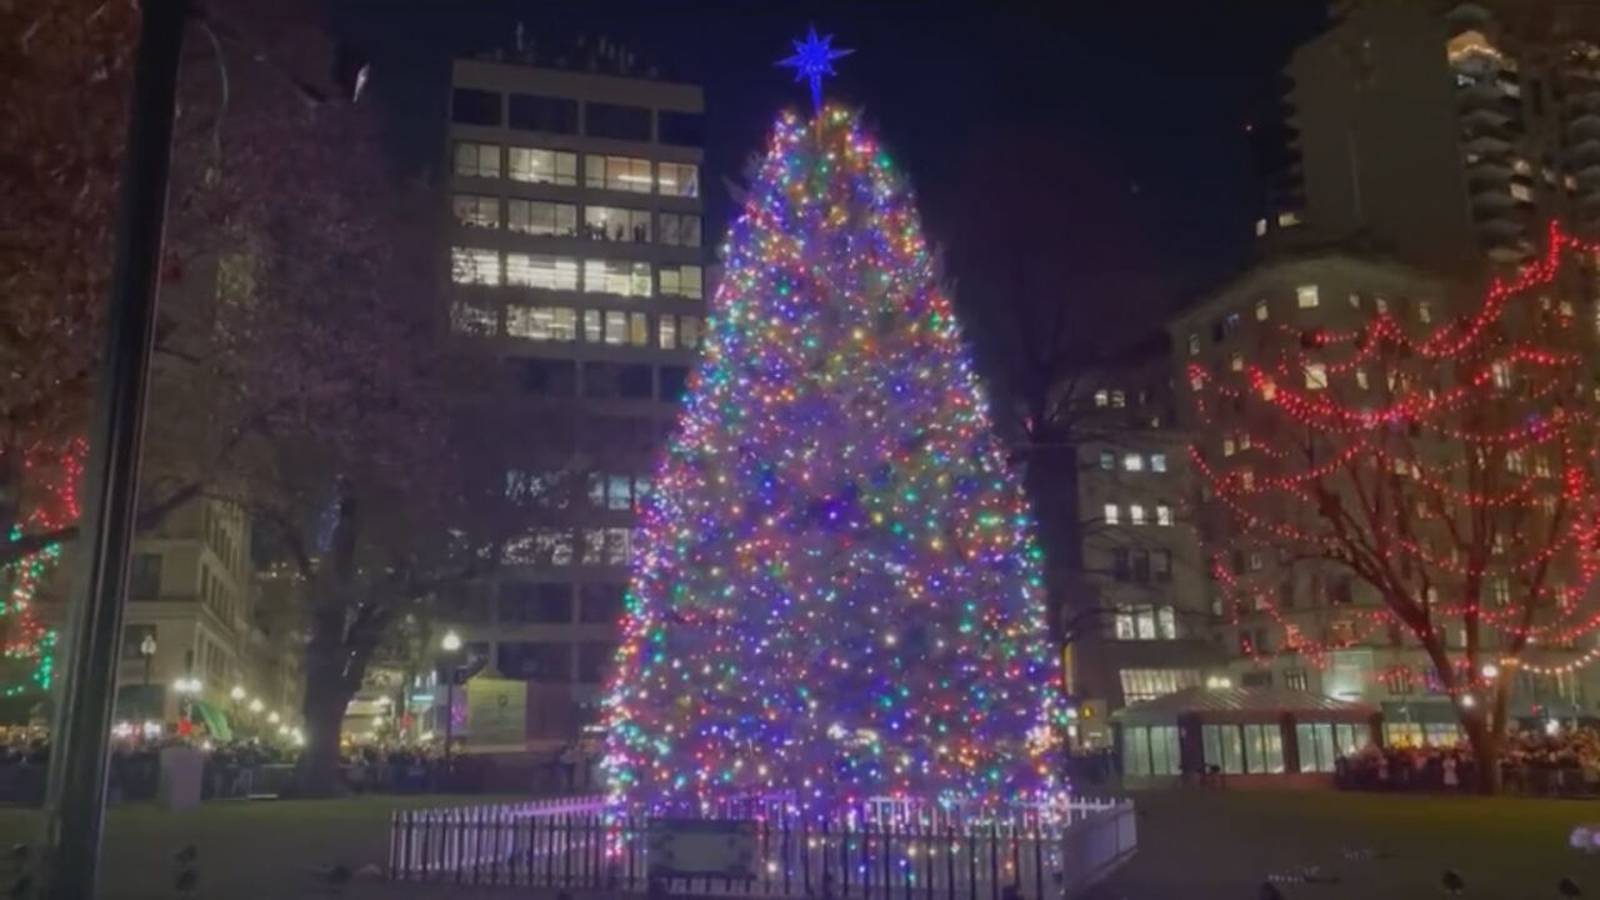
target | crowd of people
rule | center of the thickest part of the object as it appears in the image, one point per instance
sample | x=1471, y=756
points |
x=1566, y=761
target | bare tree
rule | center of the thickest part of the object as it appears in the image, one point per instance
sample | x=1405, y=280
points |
x=1447, y=466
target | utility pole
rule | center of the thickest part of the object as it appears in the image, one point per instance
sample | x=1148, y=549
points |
x=75, y=793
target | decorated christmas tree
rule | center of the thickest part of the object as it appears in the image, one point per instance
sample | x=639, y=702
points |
x=836, y=591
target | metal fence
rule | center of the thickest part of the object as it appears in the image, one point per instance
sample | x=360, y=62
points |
x=574, y=844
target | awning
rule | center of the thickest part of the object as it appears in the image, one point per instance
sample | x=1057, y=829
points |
x=1242, y=704
x=216, y=722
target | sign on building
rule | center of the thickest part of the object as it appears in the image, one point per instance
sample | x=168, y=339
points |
x=497, y=712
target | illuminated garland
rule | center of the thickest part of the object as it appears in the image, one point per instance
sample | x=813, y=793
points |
x=836, y=591
x=1471, y=424
x=27, y=639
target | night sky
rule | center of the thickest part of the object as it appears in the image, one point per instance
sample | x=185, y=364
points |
x=1095, y=156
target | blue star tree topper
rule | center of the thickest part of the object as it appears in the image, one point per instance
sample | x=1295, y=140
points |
x=812, y=61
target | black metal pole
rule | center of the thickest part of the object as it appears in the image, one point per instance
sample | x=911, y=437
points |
x=75, y=794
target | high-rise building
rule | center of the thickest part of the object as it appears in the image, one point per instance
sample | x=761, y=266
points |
x=1446, y=133
x=1137, y=623
x=576, y=246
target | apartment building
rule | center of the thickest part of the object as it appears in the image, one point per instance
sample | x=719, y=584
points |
x=1447, y=133
x=576, y=247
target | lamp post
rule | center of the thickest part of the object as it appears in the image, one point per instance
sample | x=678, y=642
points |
x=451, y=645
x=147, y=649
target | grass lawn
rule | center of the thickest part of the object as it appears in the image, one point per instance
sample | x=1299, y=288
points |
x=1211, y=845
x=1195, y=845
x=248, y=849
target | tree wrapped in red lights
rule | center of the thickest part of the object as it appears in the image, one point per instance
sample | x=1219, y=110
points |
x=1447, y=467
x=836, y=592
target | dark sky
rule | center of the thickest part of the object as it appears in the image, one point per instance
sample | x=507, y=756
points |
x=1093, y=156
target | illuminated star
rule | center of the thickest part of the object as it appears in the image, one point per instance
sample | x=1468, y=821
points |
x=812, y=60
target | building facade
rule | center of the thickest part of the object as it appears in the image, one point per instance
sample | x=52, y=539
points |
x=1446, y=132
x=577, y=264
x=191, y=633
x=1372, y=658
x=1137, y=623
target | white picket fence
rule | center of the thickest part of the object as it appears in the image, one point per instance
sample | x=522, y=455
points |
x=891, y=852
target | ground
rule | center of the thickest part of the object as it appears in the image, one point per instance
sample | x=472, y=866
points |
x=1197, y=845
x=273, y=850
x=1216, y=845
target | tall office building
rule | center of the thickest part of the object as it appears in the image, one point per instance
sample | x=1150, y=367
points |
x=577, y=263
x=1446, y=133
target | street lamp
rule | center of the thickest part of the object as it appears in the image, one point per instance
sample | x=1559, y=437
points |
x=451, y=645
x=237, y=693
x=273, y=718
x=147, y=649
x=256, y=706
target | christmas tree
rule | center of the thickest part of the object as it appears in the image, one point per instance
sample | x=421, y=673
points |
x=836, y=591
x=49, y=484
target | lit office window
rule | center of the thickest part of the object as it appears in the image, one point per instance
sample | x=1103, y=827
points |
x=557, y=273
x=1136, y=514
x=616, y=327
x=615, y=276
x=667, y=328
x=679, y=180
x=1132, y=462
x=611, y=223
x=542, y=323
x=1111, y=515
x=540, y=217
x=542, y=166
x=639, y=329
x=1108, y=461
x=1163, y=514
x=471, y=265
x=617, y=173
x=1306, y=296
x=592, y=328
x=477, y=160
x=681, y=281
x=1158, y=462
x=1263, y=311
x=476, y=212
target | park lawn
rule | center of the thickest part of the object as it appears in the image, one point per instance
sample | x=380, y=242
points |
x=1194, y=845
x=1204, y=844
x=248, y=849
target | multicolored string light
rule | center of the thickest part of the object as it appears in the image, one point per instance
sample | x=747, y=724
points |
x=836, y=592
x=1463, y=475
x=54, y=477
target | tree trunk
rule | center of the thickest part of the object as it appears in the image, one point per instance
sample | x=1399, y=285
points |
x=1486, y=744
x=317, y=774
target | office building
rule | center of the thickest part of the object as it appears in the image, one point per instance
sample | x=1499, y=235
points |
x=576, y=255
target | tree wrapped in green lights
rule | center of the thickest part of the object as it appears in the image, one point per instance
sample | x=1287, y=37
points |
x=837, y=592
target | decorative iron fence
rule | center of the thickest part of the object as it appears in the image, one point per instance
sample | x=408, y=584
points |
x=573, y=843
